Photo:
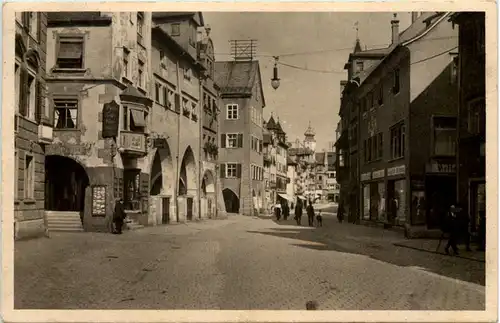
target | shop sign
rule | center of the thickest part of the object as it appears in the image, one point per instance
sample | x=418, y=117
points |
x=110, y=119
x=366, y=176
x=378, y=173
x=65, y=149
x=396, y=170
x=437, y=167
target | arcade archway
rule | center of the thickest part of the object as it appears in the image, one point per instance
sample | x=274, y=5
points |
x=231, y=201
x=65, y=184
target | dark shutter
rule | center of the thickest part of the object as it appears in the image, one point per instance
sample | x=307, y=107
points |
x=39, y=101
x=238, y=170
x=260, y=146
x=177, y=102
x=23, y=82
x=222, y=170
x=223, y=140
x=240, y=140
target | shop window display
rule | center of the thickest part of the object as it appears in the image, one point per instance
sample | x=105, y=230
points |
x=418, y=207
x=400, y=196
x=382, y=216
x=366, y=202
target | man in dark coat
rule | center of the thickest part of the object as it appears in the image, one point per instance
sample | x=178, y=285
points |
x=298, y=211
x=454, y=228
x=286, y=210
x=118, y=216
x=310, y=213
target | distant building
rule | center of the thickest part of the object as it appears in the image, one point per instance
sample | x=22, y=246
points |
x=241, y=151
x=332, y=187
x=275, y=162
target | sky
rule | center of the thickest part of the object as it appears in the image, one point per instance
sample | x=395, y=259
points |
x=320, y=41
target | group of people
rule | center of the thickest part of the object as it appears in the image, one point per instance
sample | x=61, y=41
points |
x=283, y=209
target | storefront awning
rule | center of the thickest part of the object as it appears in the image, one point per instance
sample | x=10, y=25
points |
x=286, y=197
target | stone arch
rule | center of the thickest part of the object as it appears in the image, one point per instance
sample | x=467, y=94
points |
x=231, y=201
x=187, y=175
x=65, y=184
x=208, y=183
x=161, y=175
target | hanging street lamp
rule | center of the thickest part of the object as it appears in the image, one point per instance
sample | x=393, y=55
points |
x=275, y=81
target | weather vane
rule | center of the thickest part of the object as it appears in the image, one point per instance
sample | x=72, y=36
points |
x=356, y=25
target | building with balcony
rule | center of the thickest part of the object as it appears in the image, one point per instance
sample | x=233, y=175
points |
x=98, y=76
x=275, y=163
x=471, y=157
x=33, y=123
x=240, y=125
x=399, y=108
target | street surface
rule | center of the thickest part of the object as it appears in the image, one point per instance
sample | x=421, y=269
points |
x=242, y=263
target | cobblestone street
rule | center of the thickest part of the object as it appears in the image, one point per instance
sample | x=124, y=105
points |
x=242, y=263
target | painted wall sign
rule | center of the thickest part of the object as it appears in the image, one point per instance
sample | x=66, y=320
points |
x=69, y=149
x=437, y=167
x=396, y=170
x=366, y=176
x=99, y=201
x=110, y=119
x=378, y=173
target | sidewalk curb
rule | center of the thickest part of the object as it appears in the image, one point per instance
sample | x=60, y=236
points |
x=436, y=252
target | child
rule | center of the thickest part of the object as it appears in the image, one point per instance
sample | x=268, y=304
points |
x=319, y=219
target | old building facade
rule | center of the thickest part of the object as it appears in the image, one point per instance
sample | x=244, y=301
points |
x=33, y=123
x=275, y=163
x=98, y=74
x=240, y=125
x=391, y=100
x=471, y=157
x=332, y=187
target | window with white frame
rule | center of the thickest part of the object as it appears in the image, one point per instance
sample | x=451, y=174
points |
x=157, y=92
x=231, y=170
x=31, y=95
x=193, y=107
x=29, y=177
x=231, y=140
x=163, y=60
x=140, y=27
x=65, y=113
x=231, y=111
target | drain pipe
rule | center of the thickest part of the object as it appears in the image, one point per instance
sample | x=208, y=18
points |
x=200, y=142
x=176, y=184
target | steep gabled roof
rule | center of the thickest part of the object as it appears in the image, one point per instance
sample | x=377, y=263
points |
x=175, y=15
x=238, y=77
x=271, y=124
x=279, y=129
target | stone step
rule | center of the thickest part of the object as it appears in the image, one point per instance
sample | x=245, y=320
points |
x=66, y=230
x=64, y=224
x=51, y=219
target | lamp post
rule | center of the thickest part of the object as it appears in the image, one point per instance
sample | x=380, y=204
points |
x=275, y=81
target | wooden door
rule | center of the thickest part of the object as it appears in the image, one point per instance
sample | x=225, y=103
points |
x=165, y=210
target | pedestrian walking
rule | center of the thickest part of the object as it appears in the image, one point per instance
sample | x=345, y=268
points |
x=118, y=216
x=453, y=227
x=286, y=210
x=298, y=211
x=340, y=212
x=310, y=213
x=277, y=211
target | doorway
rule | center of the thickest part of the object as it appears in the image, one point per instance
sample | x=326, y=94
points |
x=165, y=210
x=189, y=208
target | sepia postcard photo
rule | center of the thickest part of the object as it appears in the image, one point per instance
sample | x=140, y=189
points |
x=244, y=162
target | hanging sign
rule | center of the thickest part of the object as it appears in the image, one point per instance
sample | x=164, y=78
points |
x=366, y=176
x=439, y=167
x=110, y=119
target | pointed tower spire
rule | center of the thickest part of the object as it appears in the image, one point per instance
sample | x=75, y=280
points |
x=357, y=47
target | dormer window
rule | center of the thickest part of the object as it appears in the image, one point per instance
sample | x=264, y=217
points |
x=359, y=67
x=176, y=29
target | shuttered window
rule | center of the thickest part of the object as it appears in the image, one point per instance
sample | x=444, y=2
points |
x=70, y=52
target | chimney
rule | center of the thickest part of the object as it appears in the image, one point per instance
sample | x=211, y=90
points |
x=395, y=29
x=414, y=16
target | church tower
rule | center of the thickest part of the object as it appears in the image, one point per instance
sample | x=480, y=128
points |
x=309, y=141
